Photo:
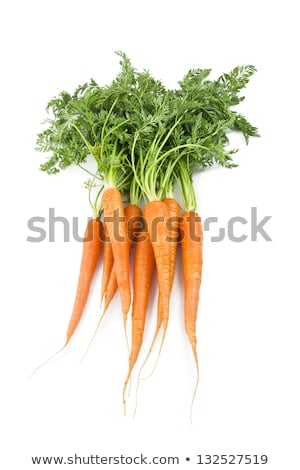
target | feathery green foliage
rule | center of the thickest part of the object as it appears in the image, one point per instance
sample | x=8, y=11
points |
x=142, y=136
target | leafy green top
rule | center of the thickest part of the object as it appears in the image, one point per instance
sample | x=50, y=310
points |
x=142, y=136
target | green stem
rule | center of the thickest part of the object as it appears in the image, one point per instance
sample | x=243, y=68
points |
x=87, y=143
x=107, y=119
x=186, y=187
x=135, y=193
x=88, y=172
x=113, y=129
x=97, y=209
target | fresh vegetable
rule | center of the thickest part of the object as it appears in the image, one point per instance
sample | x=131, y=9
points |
x=173, y=223
x=156, y=214
x=191, y=248
x=133, y=215
x=90, y=258
x=142, y=276
x=113, y=206
x=146, y=142
x=108, y=261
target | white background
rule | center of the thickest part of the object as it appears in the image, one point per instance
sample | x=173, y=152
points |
x=248, y=324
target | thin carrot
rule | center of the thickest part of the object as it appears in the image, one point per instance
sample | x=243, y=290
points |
x=107, y=262
x=133, y=218
x=191, y=247
x=142, y=275
x=89, y=260
x=114, y=218
x=90, y=256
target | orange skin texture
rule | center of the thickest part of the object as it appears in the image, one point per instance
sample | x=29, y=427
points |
x=90, y=256
x=111, y=202
x=174, y=213
x=191, y=227
x=132, y=213
x=142, y=276
x=108, y=261
x=156, y=214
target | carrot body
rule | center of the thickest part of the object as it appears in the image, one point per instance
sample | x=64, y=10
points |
x=191, y=248
x=156, y=214
x=107, y=262
x=173, y=230
x=142, y=276
x=173, y=227
x=90, y=256
x=114, y=218
x=133, y=218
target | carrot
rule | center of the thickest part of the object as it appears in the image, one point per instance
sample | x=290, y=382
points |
x=174, y=213
x=173, y=231
x=107, y=262
x=191, y=248
x=156, y=214
x=90, y=255
x=142, y=275
x=133, y=218
x=89, y=260
x=114, y=218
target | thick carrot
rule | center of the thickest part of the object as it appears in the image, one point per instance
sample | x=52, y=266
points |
x=114, y=218
x=172, y=239
x=107, y=262
x=133, y=217
x=90, y=256
x=191, y=247
x=156, y=214
x=142, y=275
x=173, y=232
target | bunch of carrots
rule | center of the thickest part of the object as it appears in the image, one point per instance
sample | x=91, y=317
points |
x=145, y=141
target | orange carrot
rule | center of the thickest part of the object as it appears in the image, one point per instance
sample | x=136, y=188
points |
x=156, y=214
x=191, y=247
x=133, y=220
x=89, y=260
x=173, y=223
x=142, y=275
x=107, y=262
x=90, y=256
x=133, y=217
x=114, y=218
x=173, y=232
